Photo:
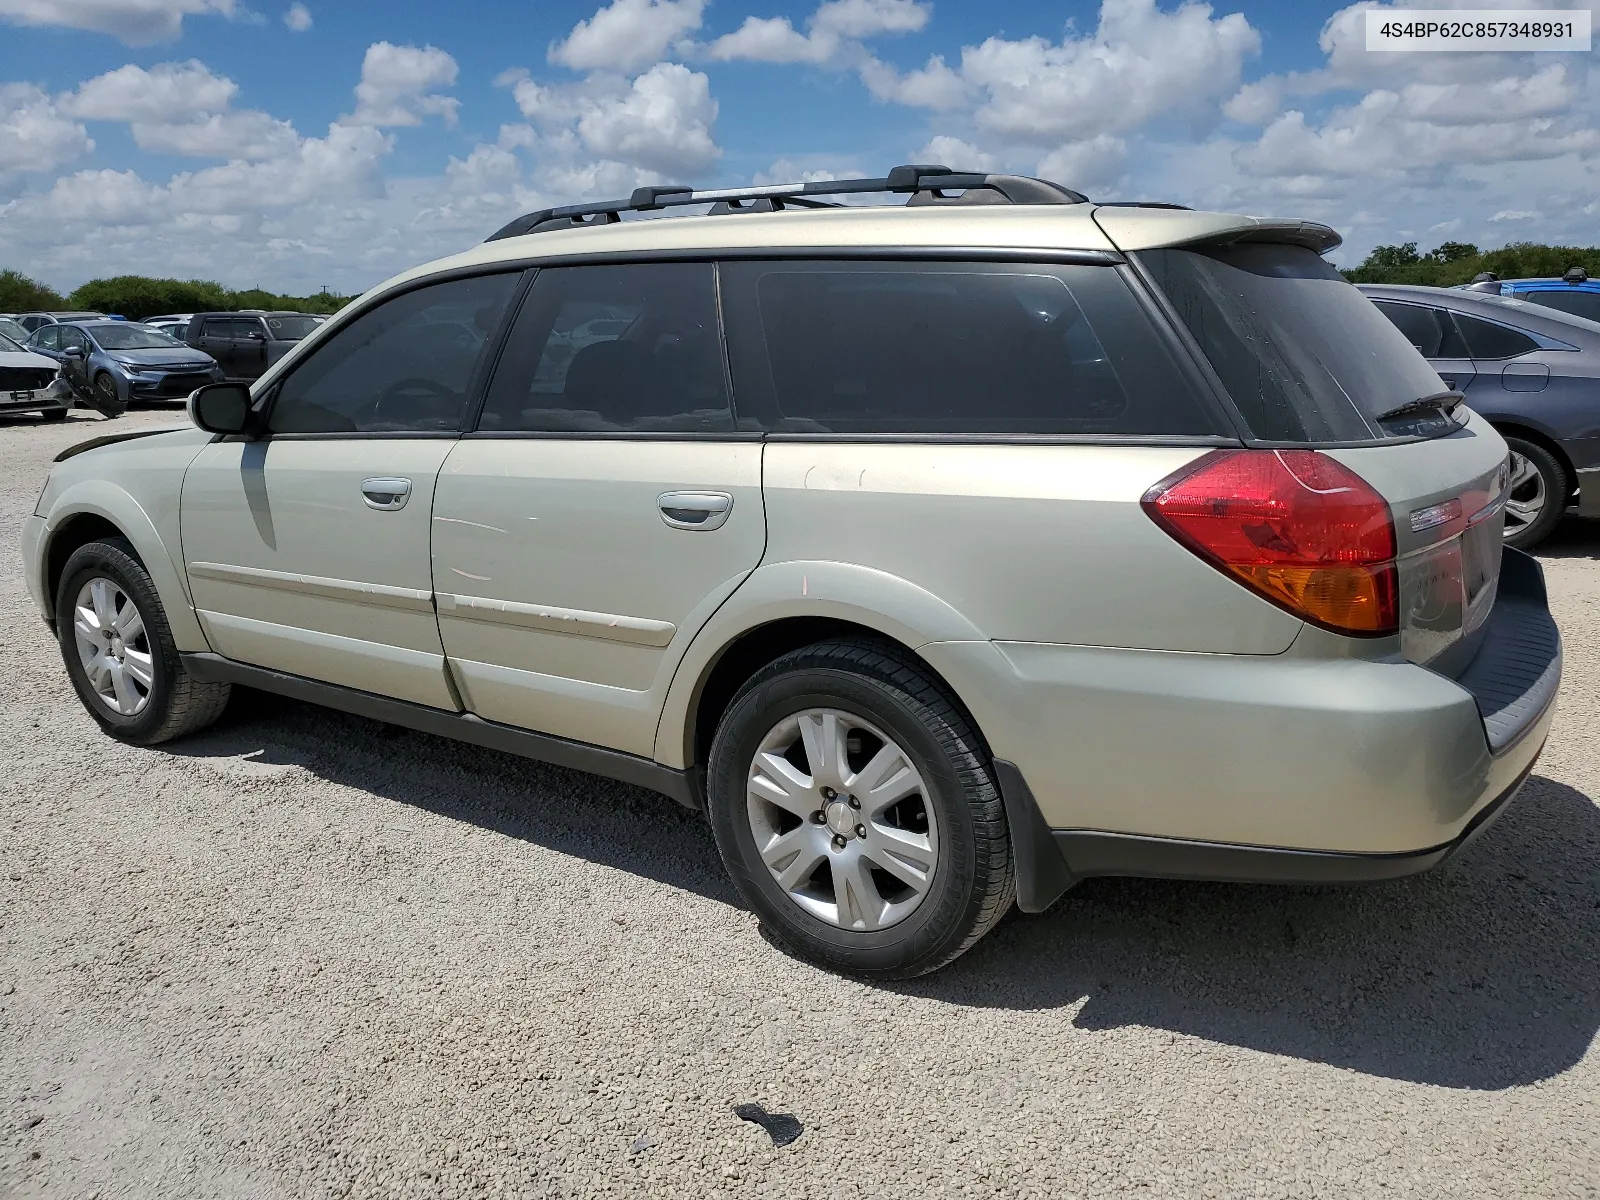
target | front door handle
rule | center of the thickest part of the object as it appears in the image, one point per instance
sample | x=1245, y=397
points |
x=695, y=510
x=386, y=495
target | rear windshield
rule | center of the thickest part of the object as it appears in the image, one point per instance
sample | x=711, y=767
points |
x=291, y=329
x=1578, y=303
x=1305, y=356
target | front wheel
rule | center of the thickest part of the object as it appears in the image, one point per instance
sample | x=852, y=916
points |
x=119, y=652
x=106, y=400
x=854, y=807
x=1538, y=494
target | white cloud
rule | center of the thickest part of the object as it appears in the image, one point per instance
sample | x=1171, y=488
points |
x=1513, y=214
x=660, y=123
x=166, y=92
x=627, y=34
x=834, y=31
x=1094, y=165
x=34, y=134
x=953, y=152
x=136, y=22
x=399, y=86
x=248, y=135
x=298, y=18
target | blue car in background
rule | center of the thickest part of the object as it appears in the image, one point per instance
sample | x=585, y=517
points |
x=1573, y=293
x=1530, y=370
x=111, y=364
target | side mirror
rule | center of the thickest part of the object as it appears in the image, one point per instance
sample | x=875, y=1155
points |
x=221, y=407
x=73, y=352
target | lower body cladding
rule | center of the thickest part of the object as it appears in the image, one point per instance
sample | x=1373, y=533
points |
x=1257, y=768
x=1589, y=492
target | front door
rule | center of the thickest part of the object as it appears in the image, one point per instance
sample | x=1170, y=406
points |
x=604, y=509
x=74, y=347
x=307, y=548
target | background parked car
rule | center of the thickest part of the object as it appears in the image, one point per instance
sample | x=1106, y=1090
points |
x=30, y=382
x=245, y=344
x=112, y=364
x=11, y=329
x=1573, y=293
x=33, y=321
x=1534, y=373
x=174, y=325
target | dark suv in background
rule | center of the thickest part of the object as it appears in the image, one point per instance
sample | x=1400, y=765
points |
x=245, y=344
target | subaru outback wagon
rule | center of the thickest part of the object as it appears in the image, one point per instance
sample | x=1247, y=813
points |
x=944, y=553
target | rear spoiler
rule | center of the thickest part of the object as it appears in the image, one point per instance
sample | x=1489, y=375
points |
x=1294, y=233
x=1133, y=229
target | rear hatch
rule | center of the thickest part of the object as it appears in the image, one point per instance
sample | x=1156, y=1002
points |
x=1307, y=362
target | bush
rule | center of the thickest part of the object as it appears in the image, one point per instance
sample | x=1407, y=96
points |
x=138, y=296
x=18, y=293
x=1458, y=262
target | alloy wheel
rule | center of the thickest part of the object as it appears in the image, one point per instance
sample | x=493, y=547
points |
x=113, y=647
x=1527, y=494
x=841, y=818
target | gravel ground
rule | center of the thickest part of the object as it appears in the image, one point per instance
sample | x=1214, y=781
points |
x=305, y=954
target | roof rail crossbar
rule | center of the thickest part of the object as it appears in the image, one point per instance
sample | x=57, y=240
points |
x=920, y=179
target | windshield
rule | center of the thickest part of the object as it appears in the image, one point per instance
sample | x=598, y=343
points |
x=132, y=337
x=8, y=344
x=291, y=329
x=1304, y=355
x=10, y=329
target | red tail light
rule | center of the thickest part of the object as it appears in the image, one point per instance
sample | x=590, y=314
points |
x=1294, y=526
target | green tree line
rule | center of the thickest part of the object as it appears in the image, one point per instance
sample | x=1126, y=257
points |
x=139, y=296
x=1457, y=262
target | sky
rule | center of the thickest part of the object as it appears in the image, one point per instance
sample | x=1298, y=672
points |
x=333, y=143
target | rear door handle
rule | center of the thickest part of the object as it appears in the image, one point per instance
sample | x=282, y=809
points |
x=695, y=510
x=386, y=495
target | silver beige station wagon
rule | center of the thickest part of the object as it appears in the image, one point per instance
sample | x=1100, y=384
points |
x=944, y=552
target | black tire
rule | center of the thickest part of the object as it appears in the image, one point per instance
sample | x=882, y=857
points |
x=1557, y=490
x=55, y=414
x=973, y=882
x=106, y=400
x=177, y=703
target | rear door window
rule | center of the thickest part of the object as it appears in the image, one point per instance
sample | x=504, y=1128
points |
x=860, y=347
x=1305, y=356
x=1486, y=339
x=631, y=348
x=1430, y=330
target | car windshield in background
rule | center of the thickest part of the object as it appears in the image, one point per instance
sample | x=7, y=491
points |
x=291, y=329
x=10, y=329
x=9, y=344
x=132, y=337
x=1304, y=355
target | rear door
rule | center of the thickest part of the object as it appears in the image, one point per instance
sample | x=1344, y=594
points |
x=216, y=339
x=602, y=510
x=307, y=549
x=1433, y=332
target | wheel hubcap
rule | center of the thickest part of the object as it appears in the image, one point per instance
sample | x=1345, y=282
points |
x=841, y=819
x=1526, y=495
x=113, y=647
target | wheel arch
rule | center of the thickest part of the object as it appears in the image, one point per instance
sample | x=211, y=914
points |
x=1530, y=433
x=96, y=508
x=781, y=608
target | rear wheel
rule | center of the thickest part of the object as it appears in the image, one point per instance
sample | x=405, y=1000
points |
x=1538, y=494
x=854, y=806
x=119, y=653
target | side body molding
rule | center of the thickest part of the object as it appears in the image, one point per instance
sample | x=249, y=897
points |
x=877, y=600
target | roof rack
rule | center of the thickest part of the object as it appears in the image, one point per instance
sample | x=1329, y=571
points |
x=925, y=183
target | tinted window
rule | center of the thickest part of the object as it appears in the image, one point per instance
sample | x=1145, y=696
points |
x=1578, y=303
x=631, y=348
x=290, y=329
x=217, y=327
x=408, y=364
x=1305, y=356
x=1430, y=330
x=957, y=348
x=1485, y=339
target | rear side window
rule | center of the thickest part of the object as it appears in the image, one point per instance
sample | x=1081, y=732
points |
x=951, y=348
x=218, y=327
x=1430, y=330
x=1578, y=303
x=1304, y=355
x=407, y=365
x=1485, y=339
x=633, y=348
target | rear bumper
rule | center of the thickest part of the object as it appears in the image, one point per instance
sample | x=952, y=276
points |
x=1258, y=767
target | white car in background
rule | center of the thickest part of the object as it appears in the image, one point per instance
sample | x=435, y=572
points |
x=31, y=382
